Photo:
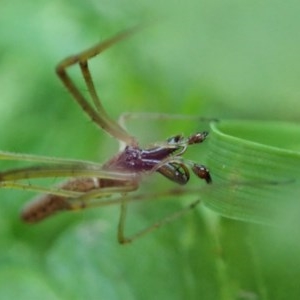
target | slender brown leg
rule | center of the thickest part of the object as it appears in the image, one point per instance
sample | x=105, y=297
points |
x=124, y=117
x=168, y=219
x=98, y=115
x=91, y=87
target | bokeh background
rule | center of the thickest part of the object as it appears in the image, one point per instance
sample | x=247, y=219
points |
x=222, y=59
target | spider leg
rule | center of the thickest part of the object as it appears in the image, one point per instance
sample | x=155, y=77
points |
x=124, y=117
x=98, y=198
x=98, y=115
x=81, y=202
x=46, y=171
x=5, y=155
x=122, y=239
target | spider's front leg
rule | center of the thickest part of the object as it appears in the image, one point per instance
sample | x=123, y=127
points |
x=96, y=111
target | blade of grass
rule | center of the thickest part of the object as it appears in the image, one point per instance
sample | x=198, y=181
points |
x=258, y=166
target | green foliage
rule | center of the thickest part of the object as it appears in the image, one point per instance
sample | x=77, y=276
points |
x=224, y=59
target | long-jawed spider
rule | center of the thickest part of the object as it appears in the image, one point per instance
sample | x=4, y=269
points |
x=91, y=184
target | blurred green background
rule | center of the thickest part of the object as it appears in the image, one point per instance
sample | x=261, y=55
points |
x=222, y=59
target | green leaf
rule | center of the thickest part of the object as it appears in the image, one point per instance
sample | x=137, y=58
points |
x=256, y=169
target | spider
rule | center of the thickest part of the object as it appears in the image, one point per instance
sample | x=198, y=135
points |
x=90, y=183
